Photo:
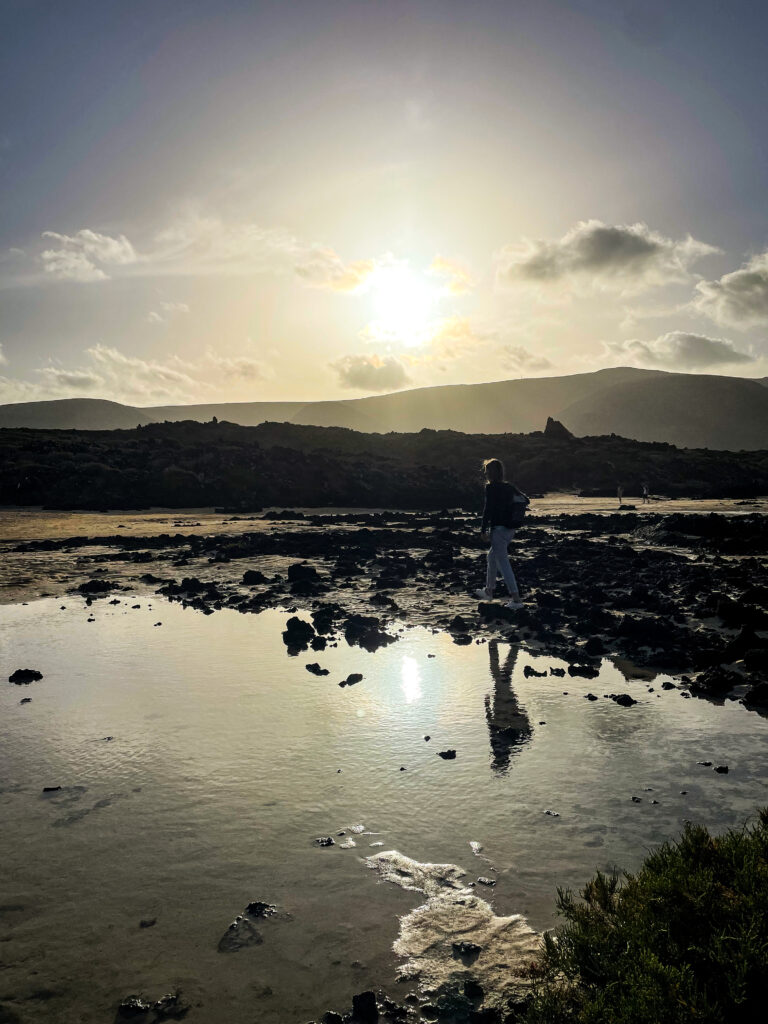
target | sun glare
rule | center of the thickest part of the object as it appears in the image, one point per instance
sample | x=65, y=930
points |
x=404, y=306
x=410, y=680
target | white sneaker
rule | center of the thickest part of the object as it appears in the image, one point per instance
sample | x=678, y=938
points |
x=483, y=594
x=514, y=603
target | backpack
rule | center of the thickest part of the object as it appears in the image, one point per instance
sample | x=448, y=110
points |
x=519, y=503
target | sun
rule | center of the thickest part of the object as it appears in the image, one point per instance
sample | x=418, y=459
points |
x=404, y=306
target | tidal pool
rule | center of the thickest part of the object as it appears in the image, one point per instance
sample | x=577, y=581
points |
x=198, y=761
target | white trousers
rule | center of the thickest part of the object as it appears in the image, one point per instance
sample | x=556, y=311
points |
x=498, y=560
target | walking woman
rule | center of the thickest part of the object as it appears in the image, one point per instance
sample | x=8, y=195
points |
x=504, y=508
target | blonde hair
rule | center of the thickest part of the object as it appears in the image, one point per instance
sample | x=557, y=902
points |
x=494, y=470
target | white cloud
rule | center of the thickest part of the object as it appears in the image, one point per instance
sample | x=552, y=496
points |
x=371, y=373
x=56, y=378
x=207, y=245
x=458, y=279
x=238, y=367
x=143, y=379
x=82, y=256
x=109, y=373
x=739, y=299
x=166, y=311
x=679, y=350
x=200, y=245
x=521, y=360
x=594, y=256
x=321, y=267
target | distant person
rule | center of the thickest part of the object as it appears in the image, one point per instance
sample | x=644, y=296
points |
x=620, y=494
x=646, y=495
x=498, y=527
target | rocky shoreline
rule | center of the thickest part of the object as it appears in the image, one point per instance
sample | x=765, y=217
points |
x=682, y=594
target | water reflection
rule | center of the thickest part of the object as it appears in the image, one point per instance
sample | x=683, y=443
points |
x=410, y=679
x=508, y=724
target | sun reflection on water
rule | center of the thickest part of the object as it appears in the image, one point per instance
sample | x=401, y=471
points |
x=410, y=677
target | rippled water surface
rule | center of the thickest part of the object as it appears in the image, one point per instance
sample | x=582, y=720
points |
x=198, y=761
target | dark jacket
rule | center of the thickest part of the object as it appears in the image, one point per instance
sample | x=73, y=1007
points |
x=498, y=504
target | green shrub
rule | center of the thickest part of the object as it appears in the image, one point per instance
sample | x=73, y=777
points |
x=683, y=940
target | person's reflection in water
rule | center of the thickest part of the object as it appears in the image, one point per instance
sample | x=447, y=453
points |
x=508, y=724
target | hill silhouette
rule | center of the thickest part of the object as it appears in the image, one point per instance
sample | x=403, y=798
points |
x=74, y=414
x=190, y=464
x=687, y=410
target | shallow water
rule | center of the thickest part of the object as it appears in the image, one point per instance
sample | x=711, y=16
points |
x=227, y=758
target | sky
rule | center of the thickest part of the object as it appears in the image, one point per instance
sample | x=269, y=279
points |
x=221, y=200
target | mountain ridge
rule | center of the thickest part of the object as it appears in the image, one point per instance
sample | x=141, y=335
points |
x=687, y=410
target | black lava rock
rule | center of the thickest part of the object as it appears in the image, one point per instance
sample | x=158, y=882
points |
x=96, y=587
x=315, y=669
x=623, y=699
x=252, y=576
x=302, y=572
x=23, y=676
x=364, y=1008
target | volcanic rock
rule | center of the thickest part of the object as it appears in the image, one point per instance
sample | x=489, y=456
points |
x=23, y=676
x=364, y=1008
x=316, y=670
x=253, y=576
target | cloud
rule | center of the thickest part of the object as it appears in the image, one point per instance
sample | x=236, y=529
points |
x=109, y=373
x=207, y=245
x=739, y=299
x=201, y=245
x=238, y=367
x=521, y=360
x=454, y=337
x=141, y=378
x=371, y=373
x=603, y=257
x=81, y=257
x=678, y=350
x=458, y=279
x=322, y=268
x=166, y=311
x=58, y=379
x=2, y=356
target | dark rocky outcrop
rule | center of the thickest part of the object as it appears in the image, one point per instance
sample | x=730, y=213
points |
x=555, y=431
x=189, y=464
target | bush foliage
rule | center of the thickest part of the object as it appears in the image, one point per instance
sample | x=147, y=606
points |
x=683, y=940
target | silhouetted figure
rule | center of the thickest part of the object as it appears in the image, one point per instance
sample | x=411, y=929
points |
x=620, y=494
x=498, y=524
x=508, y=725
x=646, y=495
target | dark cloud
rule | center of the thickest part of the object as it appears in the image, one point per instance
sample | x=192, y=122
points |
x=624, y=257
x=371, y=373
x=519, y=359
x=739, y=298
x=679, y=351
